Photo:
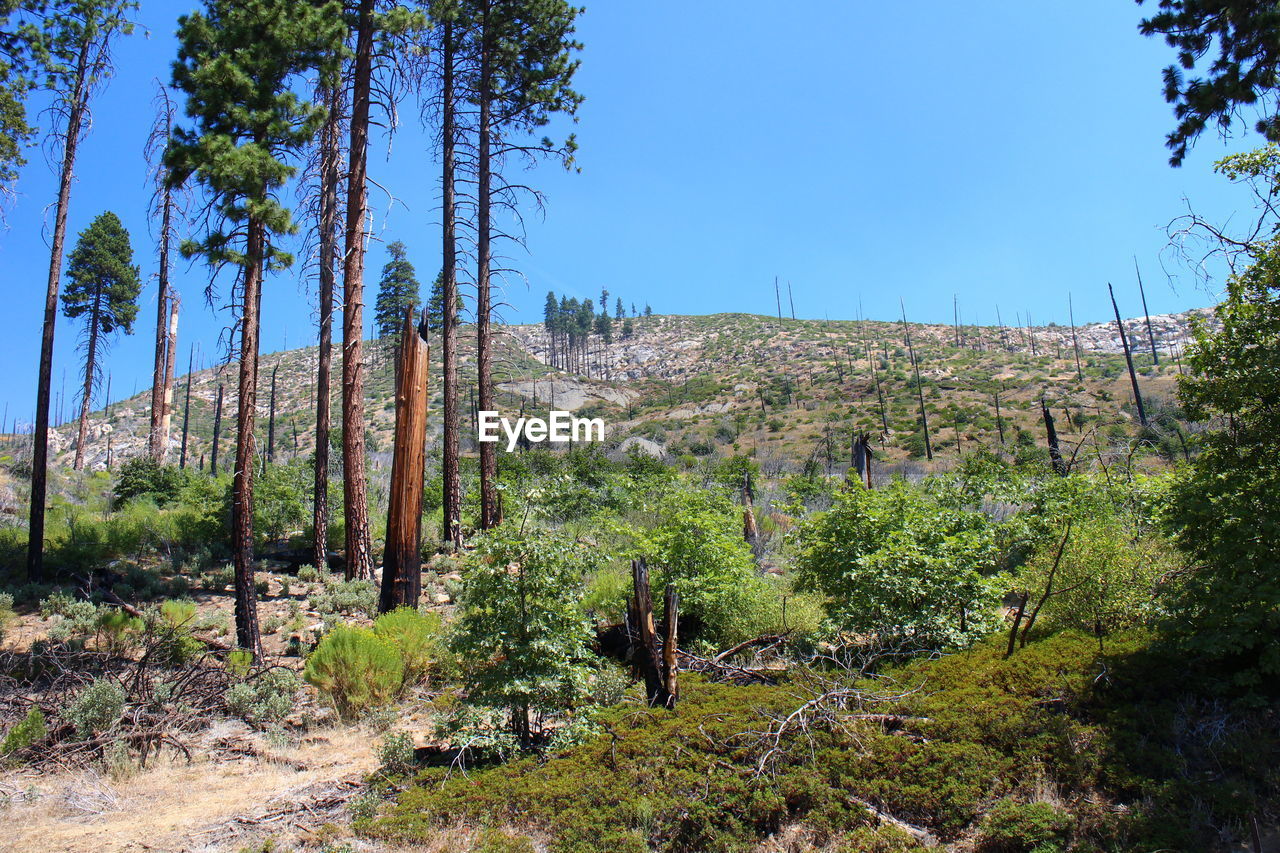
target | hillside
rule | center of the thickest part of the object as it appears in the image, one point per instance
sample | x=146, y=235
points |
x=788, y=391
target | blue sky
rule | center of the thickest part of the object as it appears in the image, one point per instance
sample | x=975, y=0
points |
x=1008, y=152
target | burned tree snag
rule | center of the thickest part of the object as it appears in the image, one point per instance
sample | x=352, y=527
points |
x=1055, y=453
x=1128, y=357
x=862, y=458
x=1075, y=339
x=999, y=418
x=1151, y=335
x=271, y=419
x=217, y=433
x=670, y=667
x=749, y=530
x=186, y=411
x=646, y=657
x=402, y=558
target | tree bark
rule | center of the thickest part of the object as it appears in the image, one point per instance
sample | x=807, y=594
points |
x=484, y=354
x=646, y=656
x=1128, y=358
x=670, y=667
x=402, y=557
x=354, y=487
x=247, y=635
x=86, y=399
x=40, y=434
x=271, y=418
x=217, y=433
x=186, y=411
x=750, y=532
x=1075, y=339
x=328, y=223
x=159, y=432
x=1051, y=433
x=452, y=483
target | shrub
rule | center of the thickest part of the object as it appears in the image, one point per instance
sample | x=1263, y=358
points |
x=396, y=754
x=264, y=699
x=96, y=708
x=142, y=475
x=308, y=574
x=521, y=630
x=25, y=732
x=415, y=635
x=346, y=598
x=902, y=565
x=117, y=630
x=356, y=669
x=1014, y=827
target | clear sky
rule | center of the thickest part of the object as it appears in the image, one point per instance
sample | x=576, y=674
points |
x=1007, y=152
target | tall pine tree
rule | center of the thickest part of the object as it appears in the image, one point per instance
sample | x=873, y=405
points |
x=236, y=63
x=102, y=287
x=398, y=293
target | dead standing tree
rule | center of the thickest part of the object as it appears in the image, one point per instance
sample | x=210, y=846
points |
x=657, y=665
x=1128, y=358
x=402, y=557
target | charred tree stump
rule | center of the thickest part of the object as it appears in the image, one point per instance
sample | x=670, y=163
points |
x=1055, y=452
x=658, y=673
x=1128, y=357
x=402, y=558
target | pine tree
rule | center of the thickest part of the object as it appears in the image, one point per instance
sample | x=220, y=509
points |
x=78, y=40
x=22, y=59
x=398, y=294
x=524, y=56
x=102, y=287
x=618, y=313
x=236, y=62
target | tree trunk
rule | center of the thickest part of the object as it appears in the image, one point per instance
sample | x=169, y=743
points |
x=354, y=488
x=247, y=636
x=186, y=411
x=750, y=532
x=159, y=435
x=402, y=557
x=217, y=433
x=1075, y=339
x=86, y=399
x=452, y=484
x=1151, y=335
x=328, y=223
x=1055, y=453
x=484, y=352
x=999, y=419
x=670, y=667
x=1128, y=358
x=647, y=658
x=40, y=433
x=271, y=418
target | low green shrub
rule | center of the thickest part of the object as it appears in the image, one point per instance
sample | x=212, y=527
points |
x=415, y=635
x=1014, y=827
x=25, y=732
x=346, y=598
x=355, y=669
x=265, y=698
x=96, y=708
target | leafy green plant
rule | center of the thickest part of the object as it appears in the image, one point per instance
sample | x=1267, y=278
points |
x=265, y=698
x=415, y=635
x=25, y=732
x=356, y=669
x=96, y=708
x=1014, y=827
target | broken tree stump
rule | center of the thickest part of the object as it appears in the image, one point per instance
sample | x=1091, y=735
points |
x=402, y=558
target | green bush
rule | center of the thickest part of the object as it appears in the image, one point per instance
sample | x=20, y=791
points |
x=96, y=708
x=143, y=476
x=265, y=698
x=899, y=564
x=356, y=669
x=1014, y=827
x=415, y=635
x=25, y=732
x=346, y=598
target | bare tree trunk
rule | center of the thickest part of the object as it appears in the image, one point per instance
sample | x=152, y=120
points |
x=328, y=223
x=670, y=667
x=484, y=226
x=1128, y=357
x=647, y=658
x=750, y=532
x=86, y=397
x=247, y=635
x=40, y=433
x=271, y=418
x=217, y=433
x=159, y=434
x=915, y=365
x=186, y=411
x=1075, y=339
x=1151, y=335
x=1055, y=453
x=452, y=484
x=355, y=489
x=402, y=557
x=999, y=418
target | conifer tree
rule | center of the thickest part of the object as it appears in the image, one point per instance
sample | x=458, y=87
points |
x=236, y=64
x=78, y=40
x=22, y=58
x=398, y=294
x=102, y=287
x=524, y=54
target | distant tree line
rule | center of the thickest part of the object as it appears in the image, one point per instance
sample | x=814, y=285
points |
x=571, y=324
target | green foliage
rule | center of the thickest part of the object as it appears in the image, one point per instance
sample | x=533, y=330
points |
x=398, y=293
x=1014, y=827
x=282, y=499
x=102, y=280
x=143, y=476
x=396, y=754
x=1224, y=509
x=265, y=698
x=356, y=669
x=415, y=635
x=521, y=635
x=96, y=708
x=25, y=732
x=346, y=598
x=903, y=566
